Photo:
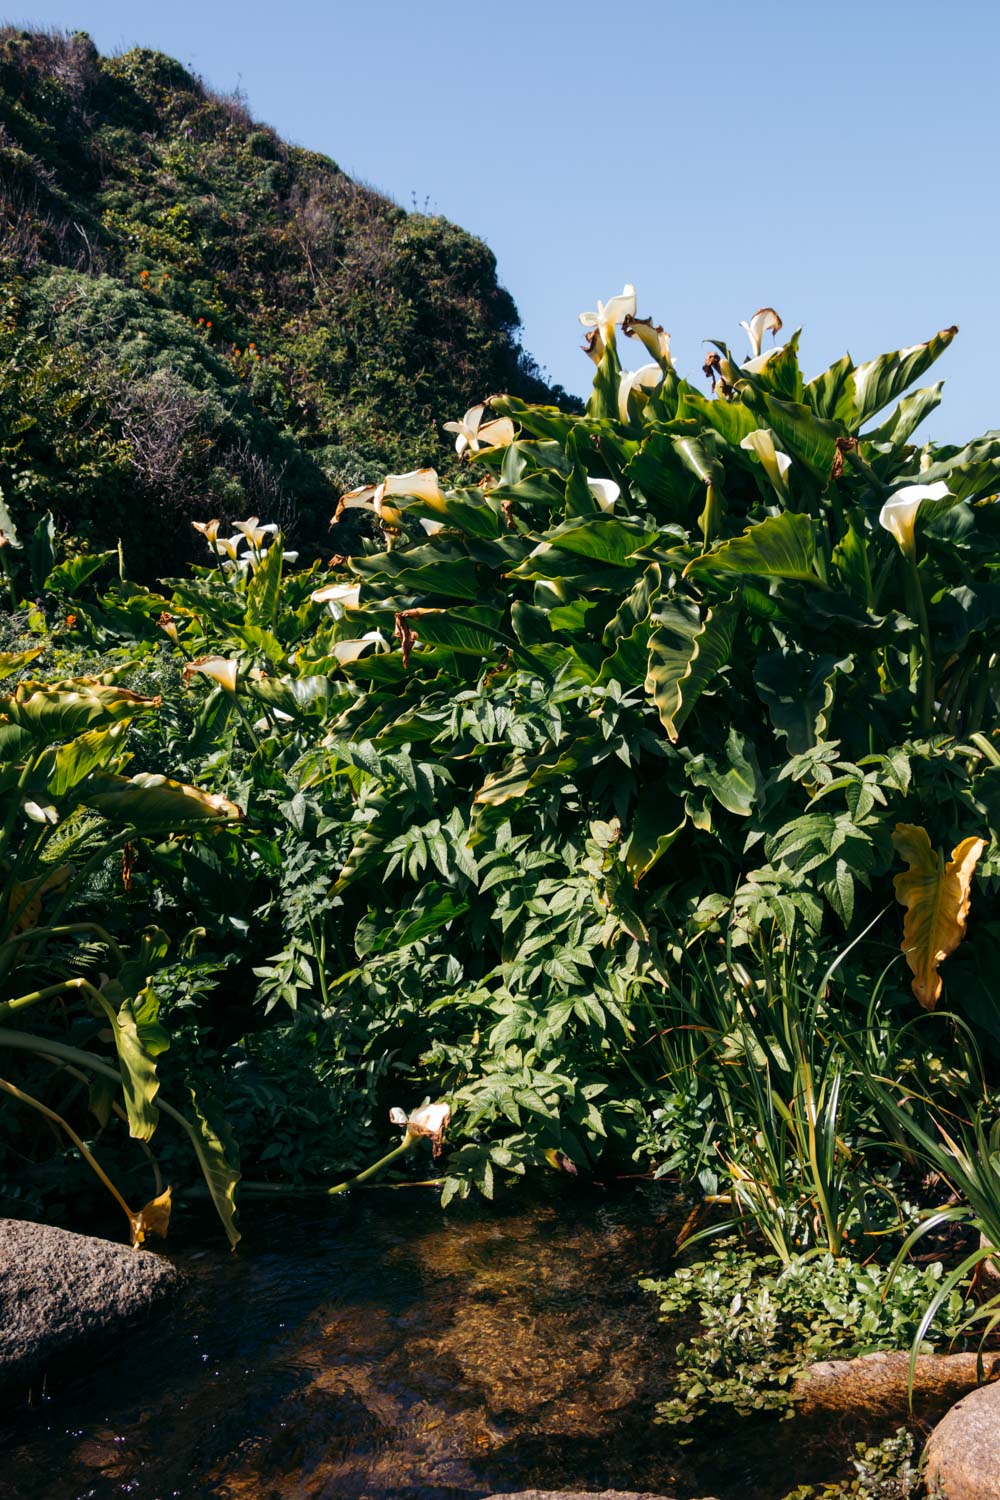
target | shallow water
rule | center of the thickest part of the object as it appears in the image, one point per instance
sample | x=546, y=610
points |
x=379, y=1349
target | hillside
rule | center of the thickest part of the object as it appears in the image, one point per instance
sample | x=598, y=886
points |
x=196, y=317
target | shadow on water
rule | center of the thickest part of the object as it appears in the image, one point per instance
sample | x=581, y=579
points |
x=380, y=1349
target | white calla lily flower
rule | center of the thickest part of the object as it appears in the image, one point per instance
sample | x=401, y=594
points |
x=338, y=597
x=231, y=545
x=764, y=320
x=346, y=651
x=899, y=513
x=221, y=669
x=646, y=378
x=605, y=492
x=254, y=532
x=208, y=529
x=467, y=428
x=431, y=526
x=755, y=366
x=362, y=499
x=610, y=313
x=774, y=463
x=418, y=484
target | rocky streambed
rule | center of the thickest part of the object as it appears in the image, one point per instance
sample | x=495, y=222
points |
x=380, y=1349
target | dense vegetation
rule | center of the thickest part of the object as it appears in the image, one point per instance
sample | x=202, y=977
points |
x=195, y=314
x=627, y=802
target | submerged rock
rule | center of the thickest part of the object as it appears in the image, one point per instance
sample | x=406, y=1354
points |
x=878, y=1384
x=65, y=1295
x=580, y=1495
x=963, y=1451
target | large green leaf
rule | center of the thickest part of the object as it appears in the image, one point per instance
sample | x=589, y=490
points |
x=806, y=437
x=138, y=1069
x=686, y=651
x=41, y=554
x=155, y=804
x=879, y=381
x=218, y=1156
x=68, y=577
x=657, y=822
x=798, y=690
x=733, y=778
x=902, y=423
x=59, y=711
x=777, y=547
x=264, y=593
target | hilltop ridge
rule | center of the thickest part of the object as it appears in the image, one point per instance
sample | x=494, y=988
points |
x=197, y=317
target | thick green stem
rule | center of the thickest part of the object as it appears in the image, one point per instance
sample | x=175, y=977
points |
x=404, y=1146
x=927, y=664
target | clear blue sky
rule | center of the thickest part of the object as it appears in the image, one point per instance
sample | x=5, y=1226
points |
x=836, y=161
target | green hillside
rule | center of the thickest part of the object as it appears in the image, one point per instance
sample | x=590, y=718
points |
x=196, y=317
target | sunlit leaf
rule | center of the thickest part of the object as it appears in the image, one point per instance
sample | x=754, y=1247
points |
x=936, y=896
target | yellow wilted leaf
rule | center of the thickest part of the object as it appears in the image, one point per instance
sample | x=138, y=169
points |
x=152, y=1219
x=936, y=898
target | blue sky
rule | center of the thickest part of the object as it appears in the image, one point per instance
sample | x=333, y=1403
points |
x=838, y=162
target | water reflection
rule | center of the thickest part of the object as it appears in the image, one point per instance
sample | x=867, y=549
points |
x=379, y=1349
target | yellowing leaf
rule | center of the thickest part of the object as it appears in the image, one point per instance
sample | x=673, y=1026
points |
x=936, y=898
x=153, y=1218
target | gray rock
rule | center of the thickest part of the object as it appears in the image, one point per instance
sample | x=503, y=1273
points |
x=65, y=1295
x=579, y=1495
x=877, y=1384
x=963, y=1451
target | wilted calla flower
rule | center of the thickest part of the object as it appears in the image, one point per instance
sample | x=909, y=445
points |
x=775, y=465
x=208, y=529
x=899, y=513
x=610, y=313
x=431, y=1120
x=645, y=378
x=655, y=338
x=764, y=320
x=605, y=492
x=362, y=499
x=346, y=651
x=221, y=668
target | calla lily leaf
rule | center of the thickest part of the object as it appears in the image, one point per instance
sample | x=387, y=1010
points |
x=936, y=896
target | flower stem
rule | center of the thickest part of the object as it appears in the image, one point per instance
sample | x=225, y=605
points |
x=927, y=664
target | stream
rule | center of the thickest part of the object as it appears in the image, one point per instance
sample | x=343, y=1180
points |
x=378, y=1348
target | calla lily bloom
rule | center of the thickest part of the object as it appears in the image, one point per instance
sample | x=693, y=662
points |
x=347, y=595
x=605, y=492
x=255, y=532
x=899, y=513
x=474, y=433
x=431, y=1120
x=418, y=484
x=362, y=499
x=646, y=378
x=610, y=313
x=467, y=428
x=764, y=320
x=208, y=529
x=775, y=464
x=431, y=526
x=221, y=669
x=755, y=366
x=231, y=545
x=346, y=651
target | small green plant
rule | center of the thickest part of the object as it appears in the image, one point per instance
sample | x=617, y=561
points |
x=762, y=1322
x=885, y=1471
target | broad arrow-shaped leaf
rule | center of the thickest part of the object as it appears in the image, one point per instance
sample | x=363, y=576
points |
x=778, y=547
x=936, y=898
x=685, y=653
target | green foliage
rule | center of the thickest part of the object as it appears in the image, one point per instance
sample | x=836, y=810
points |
x=761, y=1322
x=882, y=1471
x=192, y=311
